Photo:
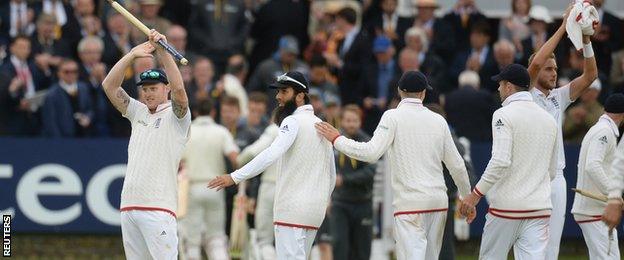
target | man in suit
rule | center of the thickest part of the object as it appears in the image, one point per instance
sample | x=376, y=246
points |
x=479, y=57
x=68, y=108
x=390, y=24
x=438, y=30
x=117, y=40
x=429, y=62
x=461, y=19
x=67, y=27
x=47, y=50
x=15, y=20
x=21, y=78
x=354, y=56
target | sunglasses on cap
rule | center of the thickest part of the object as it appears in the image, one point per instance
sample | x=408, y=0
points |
x=150, y=75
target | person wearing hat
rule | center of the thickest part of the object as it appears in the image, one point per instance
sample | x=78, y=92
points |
x=594, y=175
x=415, y=150
x=306, y=173
x=438, y=31
x=160, y=130
x=539, y=20
x=517, y=178
x=555, y=100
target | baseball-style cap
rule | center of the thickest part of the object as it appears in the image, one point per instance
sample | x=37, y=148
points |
x=152, y=76
x=289, y=43
x=414, y=81
x=516, y=74
x=294, y=79
x=615, y=104
x=381, y=44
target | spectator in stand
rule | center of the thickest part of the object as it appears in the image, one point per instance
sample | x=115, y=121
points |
x=92, y=71
x=320, y=78
x=21, y=78
x=67, y=27
x=284, y=60
x=47, y=50
x=390, y=24
x=583, y=115
x=218, y=30
x=68, y=109
x=379, y=90
x=148, y=15
x=608, y=37
x=515, y=28
x=539, y=20
x=504, y=53
x=353, y=56
x=429, y=63
x=352, y=200
x=575, y=69
x=479, y=58
x=233, y=79
x=257, y=119
x=202, y=86
x=177, y=37
x=462, y=18
x=437, y=29
x=268, y=28
x=469, y=109
x=117, y=40
x=16, y=18
x=616, y=77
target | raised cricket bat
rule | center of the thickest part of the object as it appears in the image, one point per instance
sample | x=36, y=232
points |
x=138, y=24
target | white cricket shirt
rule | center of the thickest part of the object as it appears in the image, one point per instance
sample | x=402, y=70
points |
x=517, y=178
x=555, y=104
x=416, y=142
x=156, y=145
x=208, y=144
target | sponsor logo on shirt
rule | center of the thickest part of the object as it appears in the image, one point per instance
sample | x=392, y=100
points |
x=142, y=122
x=499, y=123
x=284, y=128
x=603, y=139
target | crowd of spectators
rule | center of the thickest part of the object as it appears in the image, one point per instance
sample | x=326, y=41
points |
x=54, y=55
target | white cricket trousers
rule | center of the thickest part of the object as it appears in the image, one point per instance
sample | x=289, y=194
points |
x=596, y=235
x=264, y=219
x=528, y=237
x=419, y=235
x=149, y=234
x=558, y=197
x=293, y=243
x=204, y=222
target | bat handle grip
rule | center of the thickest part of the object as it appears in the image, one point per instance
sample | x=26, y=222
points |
x=173, y=52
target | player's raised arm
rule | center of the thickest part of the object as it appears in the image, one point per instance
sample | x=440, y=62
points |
x=548, y=48
x=112, y=83
x=590, y=71
x=179, y=100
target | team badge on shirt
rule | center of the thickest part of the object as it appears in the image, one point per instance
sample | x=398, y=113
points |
x=157, y=124
x=554, y=102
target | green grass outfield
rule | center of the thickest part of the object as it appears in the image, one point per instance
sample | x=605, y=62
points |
x=63, y=246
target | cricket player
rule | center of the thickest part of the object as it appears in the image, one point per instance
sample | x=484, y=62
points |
x=613, y=212
x=306, y=171
x=266, y=194
x=417, y=141
x=208, y=143
x=543, y=72
x=594, y=175
x=517, y=178
x=159, y=133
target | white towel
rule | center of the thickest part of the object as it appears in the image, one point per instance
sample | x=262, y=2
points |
x=582, y=20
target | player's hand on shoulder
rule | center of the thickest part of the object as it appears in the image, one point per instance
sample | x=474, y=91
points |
x=221, y=182
x=327, y=130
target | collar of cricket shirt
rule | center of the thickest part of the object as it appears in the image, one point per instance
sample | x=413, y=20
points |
x=611, y=124
x=162, y=106
x=304, y=109
x=518, y=96
x=411, y=101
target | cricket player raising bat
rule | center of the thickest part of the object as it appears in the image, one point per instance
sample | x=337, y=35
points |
x=517, y=178
x=417, y=141
x=306, y=170
x=159, y=134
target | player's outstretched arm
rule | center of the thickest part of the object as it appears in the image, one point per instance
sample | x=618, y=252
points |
x=112, y=83
x=548, y=48
x=179, y=99
x=590, y=71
